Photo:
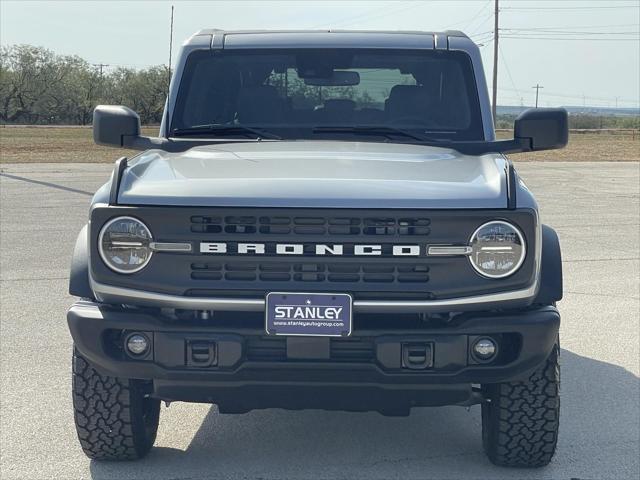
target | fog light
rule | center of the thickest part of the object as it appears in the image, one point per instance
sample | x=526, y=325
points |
x=137, y=344
x=484, y=349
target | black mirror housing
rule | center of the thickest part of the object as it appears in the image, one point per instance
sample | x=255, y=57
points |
x=545, y=128
x=115, y=125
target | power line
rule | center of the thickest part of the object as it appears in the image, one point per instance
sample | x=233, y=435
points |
x=496, y=29
x=506, y=96
x=480, y=25
x=506, y=67
x=470, y=20
x=486, y=43
x=482, y=34
x=518, y=31
x=578, y=26
x=351, y=18
x=484, y=40
x=573, y=38
x=598, y=7
x=372, y=14
x=137, y=65
x=570, y=96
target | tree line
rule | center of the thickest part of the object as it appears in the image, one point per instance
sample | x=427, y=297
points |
x=38, y=86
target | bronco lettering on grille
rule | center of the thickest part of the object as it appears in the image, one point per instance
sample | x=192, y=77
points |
x=311, y=249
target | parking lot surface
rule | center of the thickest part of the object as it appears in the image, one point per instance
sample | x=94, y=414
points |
x=595, y=209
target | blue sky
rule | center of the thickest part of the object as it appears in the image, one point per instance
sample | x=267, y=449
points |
x=582, y=52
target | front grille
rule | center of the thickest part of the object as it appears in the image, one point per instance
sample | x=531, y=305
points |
x=365, y=276
x=347, y=350
x=309, y=225
x=347, y=272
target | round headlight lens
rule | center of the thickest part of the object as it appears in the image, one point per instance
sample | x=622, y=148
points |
x=124, y=244
x=497, y=249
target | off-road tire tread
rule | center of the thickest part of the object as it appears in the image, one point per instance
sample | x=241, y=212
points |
x=106, y=416
x=520, y=427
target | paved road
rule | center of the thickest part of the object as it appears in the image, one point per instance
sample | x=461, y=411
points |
x=594, y=207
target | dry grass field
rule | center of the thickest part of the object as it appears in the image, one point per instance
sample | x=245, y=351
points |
x=590, y=147
x=56, y=145
x=75, y=144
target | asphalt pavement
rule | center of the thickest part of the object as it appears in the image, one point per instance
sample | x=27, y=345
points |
x=595, y=207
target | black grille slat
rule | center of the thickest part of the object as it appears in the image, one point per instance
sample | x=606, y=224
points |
x=309, y=221
x=344, y=268
x=275, y=220
x=240, y=276
x=239, y=229
x=206, y=275
x=275, y=267
x=206, y=266
x=309, y=230
x=408, y=278
x=274, y=271
x=274, y=277
x=340, y=230
x=308, y=277
x=379, y=278
x=319, y=226
x=275, y=229
x=343, y=277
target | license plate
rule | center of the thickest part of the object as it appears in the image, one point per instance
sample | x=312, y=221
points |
x=310, y=314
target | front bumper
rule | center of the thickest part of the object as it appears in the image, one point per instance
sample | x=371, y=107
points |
x=367, y=371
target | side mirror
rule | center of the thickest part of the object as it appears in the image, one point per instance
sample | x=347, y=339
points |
x=544, y=128
x=115, y=125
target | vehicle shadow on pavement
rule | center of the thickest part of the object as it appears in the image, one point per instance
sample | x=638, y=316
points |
x=598, y=438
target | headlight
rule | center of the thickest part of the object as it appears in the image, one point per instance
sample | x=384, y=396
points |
x=124, y=244
x=497, y=249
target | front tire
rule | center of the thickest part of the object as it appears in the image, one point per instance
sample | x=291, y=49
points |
x=115, y=419
x=521, y=419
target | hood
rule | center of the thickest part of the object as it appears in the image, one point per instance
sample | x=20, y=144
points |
x=316, y=174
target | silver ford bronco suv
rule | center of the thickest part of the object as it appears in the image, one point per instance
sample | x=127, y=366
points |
x=326, y=220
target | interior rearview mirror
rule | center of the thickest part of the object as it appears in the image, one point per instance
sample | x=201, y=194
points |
x=544, y=128
x=339, y=78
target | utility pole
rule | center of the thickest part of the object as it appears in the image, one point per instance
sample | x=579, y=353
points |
x=170, y=46
x=537, y=87
x=495, y=63
x=167, y=116
x=100, y=67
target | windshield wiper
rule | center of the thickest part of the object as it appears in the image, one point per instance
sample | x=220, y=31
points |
x=382, y=131
x=222, y=130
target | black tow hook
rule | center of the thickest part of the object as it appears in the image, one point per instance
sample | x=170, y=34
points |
x=417, y=355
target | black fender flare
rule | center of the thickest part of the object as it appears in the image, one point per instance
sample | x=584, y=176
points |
x=550, y=290
x=79, y=285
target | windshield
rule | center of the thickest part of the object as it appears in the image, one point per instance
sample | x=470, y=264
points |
x=301, y=93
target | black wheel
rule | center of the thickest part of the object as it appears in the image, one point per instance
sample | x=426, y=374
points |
x=520, y=421
x=115, y=419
